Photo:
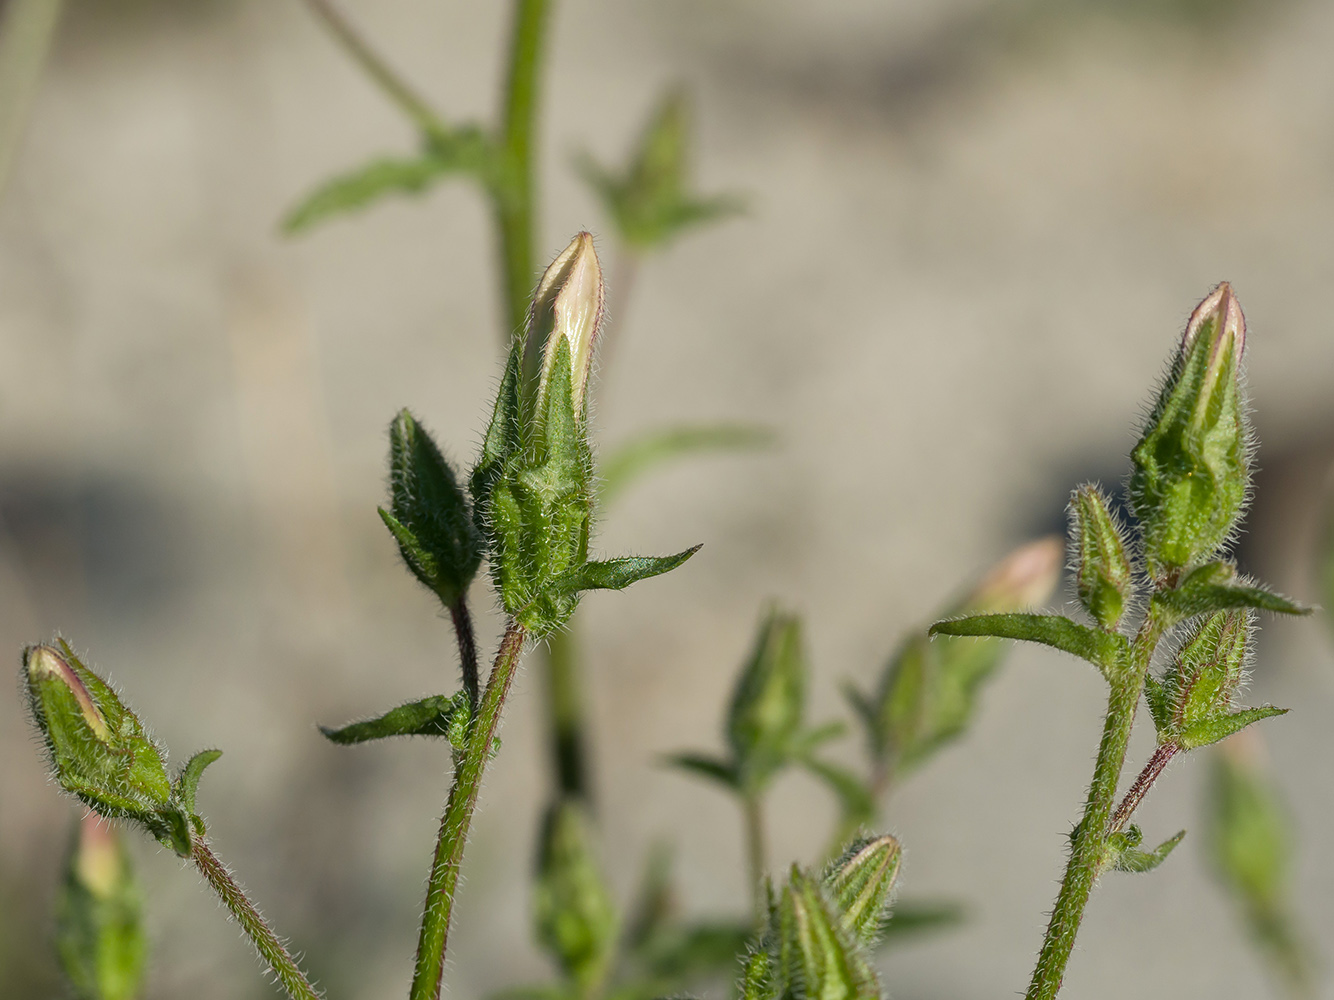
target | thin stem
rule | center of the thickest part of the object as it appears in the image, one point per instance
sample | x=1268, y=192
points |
x=565, y=703
x=1089, y=840
x=1162, y=755
x=26, y=30
x=431, y=944
x=458, y=611
x=755, y=851
x=514, y=197
x=256, y=928
x=395, y=87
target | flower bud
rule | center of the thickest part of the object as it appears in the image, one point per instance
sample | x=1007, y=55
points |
x=769, y=701
x=861, y=882
x=1208, y=669
x=1191, y=466
x=1105, y=580
x=563, y=325
x=99, y=931
x=1023, y=579
x=818, y=957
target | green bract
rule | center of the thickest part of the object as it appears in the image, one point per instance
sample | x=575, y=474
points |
x=1192, y=464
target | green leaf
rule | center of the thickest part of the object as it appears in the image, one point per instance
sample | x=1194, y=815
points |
x=1211, y=730
x=766, y=715
x=573, y=912
x=436, y=715
x=1125, y=855
x=857, y=802
x=100, y=936
x=1214, y=587
x=861, y=882
x=707, y=767
x=1103, y=649
x=698, y=950
x=187, y=782
x=629, y=462
x=617, y=574
x=466, y=151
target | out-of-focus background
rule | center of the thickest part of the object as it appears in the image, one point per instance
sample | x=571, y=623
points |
x=975, y=230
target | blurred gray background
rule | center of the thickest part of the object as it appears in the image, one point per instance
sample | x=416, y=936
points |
x=975, y=230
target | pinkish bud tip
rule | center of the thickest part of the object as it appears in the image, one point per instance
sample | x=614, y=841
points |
x=46, y=663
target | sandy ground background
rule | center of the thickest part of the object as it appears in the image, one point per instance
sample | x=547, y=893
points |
x=975, y=231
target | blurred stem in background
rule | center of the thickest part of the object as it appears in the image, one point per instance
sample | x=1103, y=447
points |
x=26, y=30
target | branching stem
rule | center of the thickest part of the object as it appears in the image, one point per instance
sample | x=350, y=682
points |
x=1089, y=841
x=1162, y=756
x=256, y=928
x=431, y=944
x=467, y=651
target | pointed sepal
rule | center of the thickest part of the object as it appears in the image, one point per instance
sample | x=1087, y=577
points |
x=1124, y=854
x=861, y=884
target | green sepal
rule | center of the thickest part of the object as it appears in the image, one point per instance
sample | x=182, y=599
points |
x=574, y=918
x=429, y=515
x=819, y=957
x=632, y=460
x=1105, y=580
x=504, y=437
x=100, y=937
x=187, y=781
x=461, y=151
x=1211, y=730
x=860, y=882
x=437, y=715
x=1215, y=587
x=1105, y=650
x=707, y=767
x=765, y=718
x=759, y=975
x=1124, y=855
x=617, y=574
x=1159, y=701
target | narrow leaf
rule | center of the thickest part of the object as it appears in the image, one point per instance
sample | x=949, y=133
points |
x=1134, y=860
x=187, y=782
x=1103, y=649
x=437, y=715
x=647, y=452
x=1221, y=727
x=708, y=767
x=617, y=574
x=917, y=916
x=1216, y=587
x=856, y=800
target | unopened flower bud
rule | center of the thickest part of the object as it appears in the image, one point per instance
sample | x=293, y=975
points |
x=769, y=701
x=1023, y=579
x=1208, y=669
x=563, y=324
x=1192, y=469
x=860, y=883
x=1105, y=580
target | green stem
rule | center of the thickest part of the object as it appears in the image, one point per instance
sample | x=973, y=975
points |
x=513, y=191
x=256, y=928
x=755, y=851
x=26, y=30
x=458, y=611
x=395, y=87
x=565, y=717
x=427, y=978
x=1089, y=840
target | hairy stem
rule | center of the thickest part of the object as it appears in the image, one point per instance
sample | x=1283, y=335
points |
x=467, y=651
x=514, y=196
x=394, y=86
x=1162, y=756
x=427, y=978
x=753, y=807
x=256, y=928
x=565, y=703
x=1089, y=841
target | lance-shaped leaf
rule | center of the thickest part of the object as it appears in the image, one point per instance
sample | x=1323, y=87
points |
x=1124, y=854
x=628, y=463
x=927, y=693
x=861, y=883
x=1212, y=730
x=1104, y=650
x=1192, y=463
x=436, y=715
x=820, y=959
x=1105, y=580
x=186, y=785
x=617, y=574
x=573, y=912
x=651, y=201
x=99, y=926
x=685, y=952
x=705, y=766
x=1251, y=843
x=429, y=515
x=463, y=151
x=1216, y=587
